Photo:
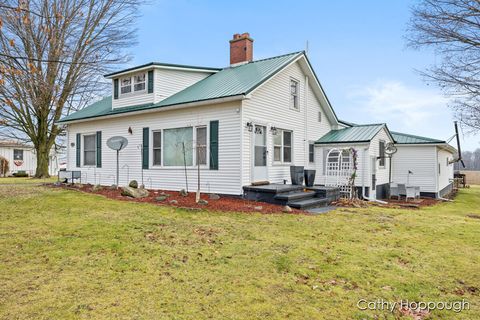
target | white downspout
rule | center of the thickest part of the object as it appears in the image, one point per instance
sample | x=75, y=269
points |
x=363, y=181
x=305, y=111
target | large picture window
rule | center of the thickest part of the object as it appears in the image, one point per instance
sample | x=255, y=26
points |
x=201, y=145
x=178, y=147
x=282, y=146
x=157, y=148
x=89, y=150
x=18, y=154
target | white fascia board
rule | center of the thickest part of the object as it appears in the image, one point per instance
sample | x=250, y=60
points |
x=150, y=67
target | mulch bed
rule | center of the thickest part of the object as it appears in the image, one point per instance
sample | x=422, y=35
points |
x=225, y=203
x=422, y=202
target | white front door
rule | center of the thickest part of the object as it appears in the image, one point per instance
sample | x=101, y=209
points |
x=373, y=182
x=260, y=154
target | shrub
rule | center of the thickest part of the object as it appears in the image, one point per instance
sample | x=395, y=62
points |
x=20, y=174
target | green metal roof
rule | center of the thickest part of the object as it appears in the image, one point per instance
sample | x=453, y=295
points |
x=355, y=134
x=228, y=82
x=404, y=138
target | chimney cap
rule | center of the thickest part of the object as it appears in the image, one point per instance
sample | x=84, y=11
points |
x=238, y=36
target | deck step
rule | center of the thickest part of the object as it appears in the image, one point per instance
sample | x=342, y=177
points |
x=295, y=196
x=309, y=203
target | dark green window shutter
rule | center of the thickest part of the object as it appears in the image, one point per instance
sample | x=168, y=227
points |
x=150, y=81
x=145, y=158
x=99, y=149
x=115, y=88
x=214, y=145
x=79, y=138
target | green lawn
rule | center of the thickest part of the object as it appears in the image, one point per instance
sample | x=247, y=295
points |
x=28, y=180
x=69, y=255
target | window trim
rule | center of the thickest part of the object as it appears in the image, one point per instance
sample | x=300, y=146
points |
x=133, y=92
x=94, y=134
x=282, y=147
x=297, y=95
x=23, y=154
x=194, y=159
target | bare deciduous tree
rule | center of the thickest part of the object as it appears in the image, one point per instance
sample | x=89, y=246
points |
x=53, y=54
x=452, y=29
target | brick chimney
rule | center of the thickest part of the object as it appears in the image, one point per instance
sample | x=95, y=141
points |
x=241, y=49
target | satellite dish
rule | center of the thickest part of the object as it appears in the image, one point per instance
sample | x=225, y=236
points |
x=117, y=143
x=390, y=149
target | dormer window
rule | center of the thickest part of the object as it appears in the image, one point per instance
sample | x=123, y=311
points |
x=139, y=82
x=135, y=83
x=126, y=85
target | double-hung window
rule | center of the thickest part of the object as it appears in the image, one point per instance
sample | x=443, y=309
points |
x=282, y=146
x=125, y=85
x=157, y=148
x=18, y=154
x=139, y=82
x=294, y=94
x=89, y=150
x=201, y=145
x=381, y=147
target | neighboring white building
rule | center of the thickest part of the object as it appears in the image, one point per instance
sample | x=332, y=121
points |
x=22, y=157
x=241, y=124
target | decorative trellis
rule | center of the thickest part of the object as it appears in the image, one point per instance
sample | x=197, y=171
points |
x=339, y=168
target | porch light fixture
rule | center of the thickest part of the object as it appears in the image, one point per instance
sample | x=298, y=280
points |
x=249, y=126
x=130, y=130
x=273, y=130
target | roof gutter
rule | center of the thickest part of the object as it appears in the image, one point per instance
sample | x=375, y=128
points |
x=160, y=108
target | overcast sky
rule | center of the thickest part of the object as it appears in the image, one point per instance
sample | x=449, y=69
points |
x=357, y=49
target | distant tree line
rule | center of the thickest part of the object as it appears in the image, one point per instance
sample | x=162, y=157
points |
x=471, y=160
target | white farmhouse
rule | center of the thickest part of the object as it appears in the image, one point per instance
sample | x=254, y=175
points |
x=22, y=158
x=243, y=124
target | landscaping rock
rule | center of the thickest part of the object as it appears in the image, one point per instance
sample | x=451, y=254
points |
x=287, y=209
x=183, y=193
x=97, y=188
x=142, y=186
x=214, y=196
x=134, y=193
x=113, y=187
x=163, y=194
x=160, y=198
x=258, y=208
x=203, y=202
x=173, y=201
x=133, y=184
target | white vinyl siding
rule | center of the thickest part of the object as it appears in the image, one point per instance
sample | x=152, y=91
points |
x=382, y=172
x=270, y=105
x=225, y=180
x=421, y=161
x=446, y=170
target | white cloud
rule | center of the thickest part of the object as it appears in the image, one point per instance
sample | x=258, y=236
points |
x=396, y=103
